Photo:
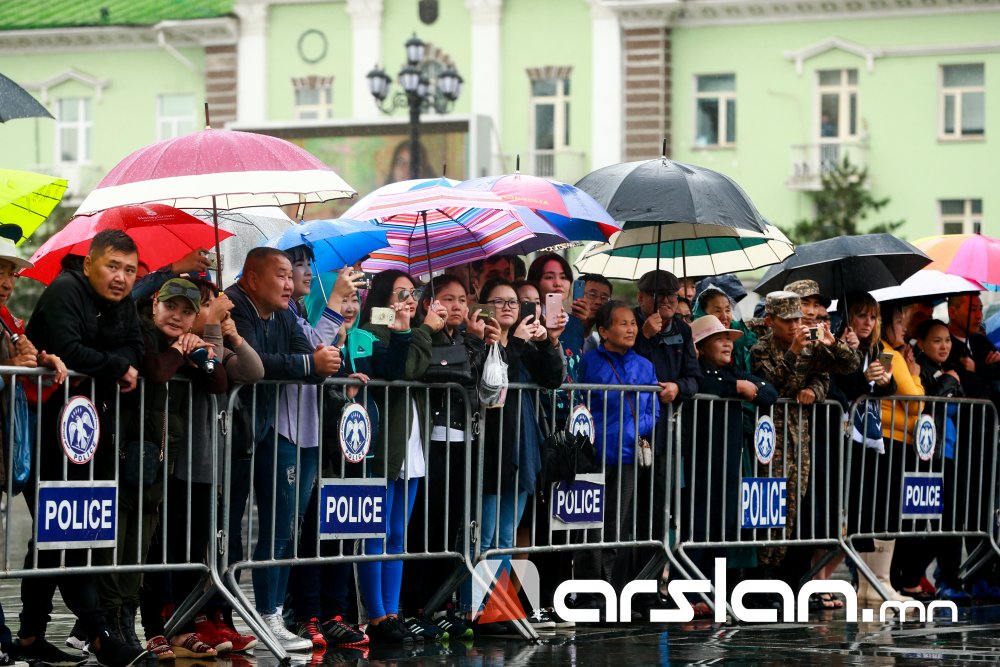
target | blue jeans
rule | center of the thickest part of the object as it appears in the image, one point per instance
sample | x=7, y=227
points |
x=380, y=581
x=511, y=511
x=270, y=584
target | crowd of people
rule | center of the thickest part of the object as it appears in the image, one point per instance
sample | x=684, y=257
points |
x=101, y=319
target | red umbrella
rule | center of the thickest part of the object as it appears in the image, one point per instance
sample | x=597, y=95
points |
x=163, y=234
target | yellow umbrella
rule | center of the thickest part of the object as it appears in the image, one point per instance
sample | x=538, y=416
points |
x=27, y=199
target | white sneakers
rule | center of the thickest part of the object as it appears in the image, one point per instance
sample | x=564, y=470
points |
x=288, y=640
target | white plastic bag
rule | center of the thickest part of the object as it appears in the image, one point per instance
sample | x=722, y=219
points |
x=493, y=386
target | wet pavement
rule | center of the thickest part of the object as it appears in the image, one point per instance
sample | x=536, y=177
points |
x=826, y=640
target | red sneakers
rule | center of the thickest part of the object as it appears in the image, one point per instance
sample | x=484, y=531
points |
x=209, y=633
x=310, y=630
x=227, y=633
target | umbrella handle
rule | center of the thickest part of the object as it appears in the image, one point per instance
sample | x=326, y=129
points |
x=427, y=247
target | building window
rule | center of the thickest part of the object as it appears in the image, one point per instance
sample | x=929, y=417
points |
x=963, y=94
x=959, y=216
x=313, y=97
x=715, y=110
x=837, y=91
x=550, y=108
x=175, y=116
x=73, y=129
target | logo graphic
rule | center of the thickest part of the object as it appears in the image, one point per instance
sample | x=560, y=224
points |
x=496, y=580
x=926, y=437
x=355, y=433
x=79, y=429
x=581, y=422
x=763, y=440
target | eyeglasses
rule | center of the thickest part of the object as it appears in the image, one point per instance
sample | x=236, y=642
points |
x=664, y=296
x=510, y=304
x=5, y=274
x=597, y=296
x=176, y=289
x=403, y=293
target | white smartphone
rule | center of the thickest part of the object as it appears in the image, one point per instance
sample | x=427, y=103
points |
x=553, y=309
x=386, y=316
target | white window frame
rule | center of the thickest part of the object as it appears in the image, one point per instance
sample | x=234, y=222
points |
x=957, y=92
x=560, y=101
x=966, y=218
x=173, y=121
x=323, y=109
x=843, y=89
x=723, y=97
x=82, y=126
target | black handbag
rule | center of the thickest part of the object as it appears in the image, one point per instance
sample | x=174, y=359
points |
x=568, y=455
x=144, y=456
x=449, y=363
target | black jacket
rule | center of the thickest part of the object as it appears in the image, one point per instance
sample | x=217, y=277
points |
x=672, y=354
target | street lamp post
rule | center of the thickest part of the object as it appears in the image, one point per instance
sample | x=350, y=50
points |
x=417, y=94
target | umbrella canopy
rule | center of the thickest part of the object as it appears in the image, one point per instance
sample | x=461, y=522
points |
x=397, y=187
x=925, y=284
x=972, y=256
x=250, y=227
x=636, y=251
x=570, y=210
x=27, y=198
x=653, y=192
x=848, y=263
x=16, y=102
x=221, y=169
x=334, y=243
x=162, y=233
x=437, y=227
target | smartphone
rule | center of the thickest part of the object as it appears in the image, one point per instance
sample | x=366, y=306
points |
x=486, y=312
x=578, y=288
x=365, y=281
x=553, y=307
x=386, y=316
x=527, y=310
x=814, y=333
x=885, y=359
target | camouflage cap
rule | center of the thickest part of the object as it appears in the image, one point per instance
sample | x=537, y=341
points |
x=806, y=288
x=783, y=305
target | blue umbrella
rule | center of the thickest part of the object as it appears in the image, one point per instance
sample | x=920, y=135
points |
x=334, y=243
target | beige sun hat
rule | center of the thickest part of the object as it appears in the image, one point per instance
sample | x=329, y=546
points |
x=709, y=325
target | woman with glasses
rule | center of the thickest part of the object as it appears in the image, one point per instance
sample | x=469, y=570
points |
x=512, y=448
x=398, y=454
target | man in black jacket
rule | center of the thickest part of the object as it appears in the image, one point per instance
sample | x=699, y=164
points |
x=88, y=320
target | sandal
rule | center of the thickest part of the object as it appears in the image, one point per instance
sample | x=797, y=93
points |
x=824, y=601
x=191, y=647
x=159, y=648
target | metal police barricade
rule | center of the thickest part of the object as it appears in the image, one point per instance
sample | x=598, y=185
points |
x=929, y=483
x=336, y=498
x=103, y=499
x=754, y=480
x=542, y=497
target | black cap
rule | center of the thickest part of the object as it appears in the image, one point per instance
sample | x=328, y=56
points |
x=659, y=281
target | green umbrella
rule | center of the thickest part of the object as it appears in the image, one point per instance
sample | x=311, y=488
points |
x=27, y=199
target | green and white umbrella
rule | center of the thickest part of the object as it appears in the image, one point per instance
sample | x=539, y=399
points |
x=685, y=250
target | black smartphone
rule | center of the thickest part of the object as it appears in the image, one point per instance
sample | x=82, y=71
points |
x=527, y=310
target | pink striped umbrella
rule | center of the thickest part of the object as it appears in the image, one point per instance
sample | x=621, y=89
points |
x=437, y=227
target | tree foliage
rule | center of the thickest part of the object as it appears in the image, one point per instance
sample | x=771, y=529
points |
x=842, y=204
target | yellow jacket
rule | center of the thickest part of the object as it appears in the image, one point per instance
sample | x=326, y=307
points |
x=899, y=418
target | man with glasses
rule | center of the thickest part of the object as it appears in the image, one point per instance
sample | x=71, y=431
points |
x=596, y=292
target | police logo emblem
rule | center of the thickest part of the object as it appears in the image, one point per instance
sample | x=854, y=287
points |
x=581, y=422
x=355, y=433
x=763, y=440
x=79, y=429
x=926, y=437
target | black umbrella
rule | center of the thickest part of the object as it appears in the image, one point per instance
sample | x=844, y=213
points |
x=16, y=102
x=847, y=263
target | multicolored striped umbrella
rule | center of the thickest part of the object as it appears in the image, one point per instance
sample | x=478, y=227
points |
x=436, y=227
x=972, y=256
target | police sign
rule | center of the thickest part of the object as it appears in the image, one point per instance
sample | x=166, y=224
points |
x=79, y=429
x=352, y=508
x=77, y=515
x=763, y=502
x=355, y=433
x=578, y=504
x=923, y=495
x=581, y=422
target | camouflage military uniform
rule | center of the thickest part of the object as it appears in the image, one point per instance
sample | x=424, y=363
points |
x=790, y=374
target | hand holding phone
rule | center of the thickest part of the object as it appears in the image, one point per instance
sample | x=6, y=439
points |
x=885, y=358
x=578, y=289
x=386, y=316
